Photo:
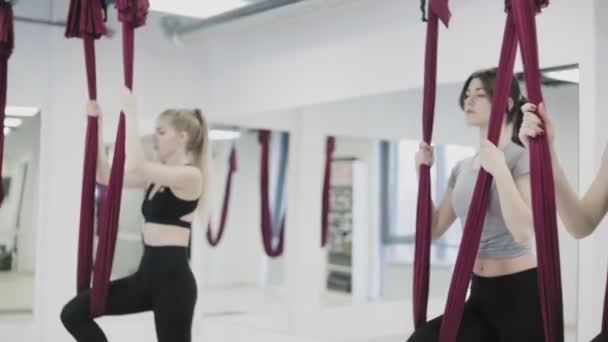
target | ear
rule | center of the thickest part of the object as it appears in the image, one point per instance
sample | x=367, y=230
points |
x=183, y=136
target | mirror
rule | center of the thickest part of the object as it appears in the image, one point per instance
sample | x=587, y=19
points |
x=241, y=279
x=19, y=212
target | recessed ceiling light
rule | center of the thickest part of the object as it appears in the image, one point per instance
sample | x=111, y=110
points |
x=12, y=122
x=19, y=111
x=224, y=134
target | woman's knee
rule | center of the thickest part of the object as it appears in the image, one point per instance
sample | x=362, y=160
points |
x=74, y=311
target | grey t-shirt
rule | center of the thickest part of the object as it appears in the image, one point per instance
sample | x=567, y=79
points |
x=496, y=240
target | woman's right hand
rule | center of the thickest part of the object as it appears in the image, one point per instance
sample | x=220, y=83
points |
x=93, y=109
x=531, y=126
x=424, y=156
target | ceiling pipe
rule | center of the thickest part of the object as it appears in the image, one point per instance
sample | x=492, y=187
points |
x=175, y=27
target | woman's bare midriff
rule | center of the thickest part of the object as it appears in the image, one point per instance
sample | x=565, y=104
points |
x=165, y=235
x=491, y=267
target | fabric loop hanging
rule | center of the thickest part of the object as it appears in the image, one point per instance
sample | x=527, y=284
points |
x=85, y=21
x=232, y=167
x=270, y=248
x=330, y=147
x=438, y=10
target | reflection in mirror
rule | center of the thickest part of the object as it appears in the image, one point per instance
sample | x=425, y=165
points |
x=244, y=272
x=348, y=276
x=19, y=211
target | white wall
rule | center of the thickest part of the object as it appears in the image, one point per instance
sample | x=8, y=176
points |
x=360, y=47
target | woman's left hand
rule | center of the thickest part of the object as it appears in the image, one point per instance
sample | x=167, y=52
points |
x=129, y=102
x=491, y=157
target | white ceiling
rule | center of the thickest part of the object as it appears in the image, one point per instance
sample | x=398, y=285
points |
x=57, y=9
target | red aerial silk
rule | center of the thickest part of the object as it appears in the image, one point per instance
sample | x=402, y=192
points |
x=215, y=240
x=266, y=217
x=7, y=44
x=330, y=146
x=438, y=10
x=85, y=20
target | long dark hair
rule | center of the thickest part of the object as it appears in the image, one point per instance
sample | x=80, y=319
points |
x=488, y=78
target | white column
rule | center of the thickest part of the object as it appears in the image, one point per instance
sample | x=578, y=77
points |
x=304, y=258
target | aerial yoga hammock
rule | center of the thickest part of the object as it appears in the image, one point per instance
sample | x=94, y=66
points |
x=271, y=250
x=85, y=21
x=232, y=167
x=264, y=137
x=7, y=41
x=330, y=147
x=520, y=27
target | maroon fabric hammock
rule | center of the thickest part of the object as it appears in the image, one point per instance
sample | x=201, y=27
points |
x=520, y=26
x=7, y=44
x=266, y=217
x=438, y=10
x=85, y=21
x=132, y=14
x=214, y=241
x=330, y=146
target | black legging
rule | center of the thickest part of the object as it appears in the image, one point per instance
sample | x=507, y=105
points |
x=499, y=309
x=163, y=283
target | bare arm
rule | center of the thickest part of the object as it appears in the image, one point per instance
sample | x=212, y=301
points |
x=513, y=187
x=443, y=216
x=580, y=216
x=515, y=204
x=131, y=179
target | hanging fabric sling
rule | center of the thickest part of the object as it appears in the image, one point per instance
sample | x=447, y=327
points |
x=520, y=26
x=266, y=216
x=85, y=21
x=438, y=10
x=132, y=14
x=232, y=167
x=330, y=146
x=7, y=44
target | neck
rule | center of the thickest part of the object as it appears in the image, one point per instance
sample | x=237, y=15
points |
x=177, y=159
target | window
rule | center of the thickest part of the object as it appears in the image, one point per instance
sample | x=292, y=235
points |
x=400, y=194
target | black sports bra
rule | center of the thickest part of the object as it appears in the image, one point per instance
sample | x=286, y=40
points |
x=166, y=208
